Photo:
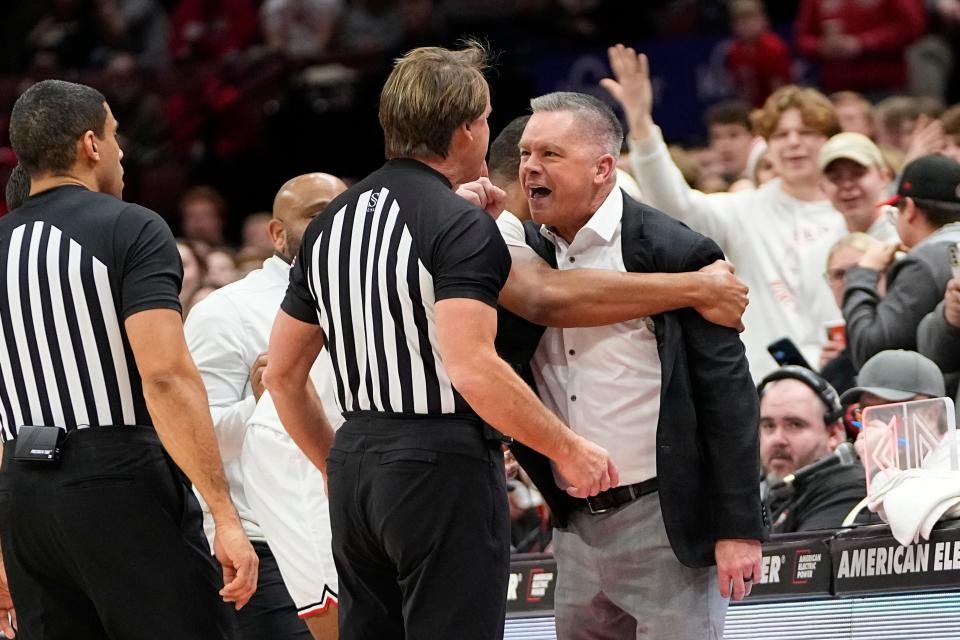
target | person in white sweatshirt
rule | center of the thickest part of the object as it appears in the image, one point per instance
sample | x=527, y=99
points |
x=778, y=236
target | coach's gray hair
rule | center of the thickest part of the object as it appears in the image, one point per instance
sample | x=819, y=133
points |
x=595, y=115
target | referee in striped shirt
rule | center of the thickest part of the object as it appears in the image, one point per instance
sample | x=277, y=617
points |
x=399, y=278
x=101, y=535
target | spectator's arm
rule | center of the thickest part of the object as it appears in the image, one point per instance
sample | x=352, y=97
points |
x=939, y=340
x=665, y=188
x=658, y=177
x=875, y=324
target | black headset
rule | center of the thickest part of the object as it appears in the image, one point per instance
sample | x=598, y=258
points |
x=824, y=390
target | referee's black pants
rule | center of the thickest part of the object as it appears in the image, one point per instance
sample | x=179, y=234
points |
x=421, y=529
x=108, y=544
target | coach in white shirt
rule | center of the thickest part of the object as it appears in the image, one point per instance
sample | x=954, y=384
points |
x=228, y=333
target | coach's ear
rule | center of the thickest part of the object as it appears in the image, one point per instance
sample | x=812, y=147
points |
x=606, y=169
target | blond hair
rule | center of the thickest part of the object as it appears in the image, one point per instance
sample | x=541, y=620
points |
x=857, y=240
x=815, y=109
x=430, y=92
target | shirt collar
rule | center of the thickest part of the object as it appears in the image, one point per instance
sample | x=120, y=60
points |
x=276, y=267
x=602, y=224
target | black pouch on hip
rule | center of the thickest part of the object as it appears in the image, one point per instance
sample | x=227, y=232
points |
x=38, y=444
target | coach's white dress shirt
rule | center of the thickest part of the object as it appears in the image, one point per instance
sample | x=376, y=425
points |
x=602, y=381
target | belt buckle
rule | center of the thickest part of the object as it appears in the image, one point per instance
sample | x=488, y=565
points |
x=593, y=510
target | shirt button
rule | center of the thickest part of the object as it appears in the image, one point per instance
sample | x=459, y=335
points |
x=573, y=352
x=572, y=259
x=573, y=398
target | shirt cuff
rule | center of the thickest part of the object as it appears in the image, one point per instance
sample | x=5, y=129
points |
x=647, y=146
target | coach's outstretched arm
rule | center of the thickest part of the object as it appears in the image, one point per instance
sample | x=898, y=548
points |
x=177, y=402
x=466, y=330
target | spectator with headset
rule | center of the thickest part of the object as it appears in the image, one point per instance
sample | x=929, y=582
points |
x=800, y=426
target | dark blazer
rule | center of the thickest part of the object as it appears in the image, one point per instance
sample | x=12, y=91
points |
x=707, y=436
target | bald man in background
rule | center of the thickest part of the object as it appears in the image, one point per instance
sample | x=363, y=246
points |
x=269, y=478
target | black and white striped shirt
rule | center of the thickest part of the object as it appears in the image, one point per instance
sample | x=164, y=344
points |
x=371, y=268
x=75, y=264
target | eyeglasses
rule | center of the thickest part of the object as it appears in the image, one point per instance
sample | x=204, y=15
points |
x=892, y=211
x=834, y=276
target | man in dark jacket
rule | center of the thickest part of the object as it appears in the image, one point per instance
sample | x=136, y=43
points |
x=671, y=392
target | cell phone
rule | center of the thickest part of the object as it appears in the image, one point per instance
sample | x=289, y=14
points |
x=785, y=351
x=954, y=251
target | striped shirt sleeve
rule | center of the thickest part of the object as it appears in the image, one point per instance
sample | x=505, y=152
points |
x=470, y=260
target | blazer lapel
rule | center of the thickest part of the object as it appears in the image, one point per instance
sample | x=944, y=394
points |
x=639, y=257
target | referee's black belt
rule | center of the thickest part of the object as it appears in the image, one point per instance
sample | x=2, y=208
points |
x=616, y=497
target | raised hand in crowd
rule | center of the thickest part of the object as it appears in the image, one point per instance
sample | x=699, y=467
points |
x=928, y=137
x=631, y=88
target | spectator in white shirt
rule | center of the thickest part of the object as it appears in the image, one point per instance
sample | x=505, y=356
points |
x=777, y=236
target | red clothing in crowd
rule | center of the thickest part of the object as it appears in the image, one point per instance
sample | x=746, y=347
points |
x=882, y=28
x=206, y=30
x=759, y=68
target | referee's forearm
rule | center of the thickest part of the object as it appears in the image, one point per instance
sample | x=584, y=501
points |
x=178, y=406
x=301, y=413
x=502, y=399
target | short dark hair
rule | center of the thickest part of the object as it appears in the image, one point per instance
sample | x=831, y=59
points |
x=18, y=187
x=595, y=114
x=504, y=164
x=938, y=213
x=49, y=118
x=728, y=112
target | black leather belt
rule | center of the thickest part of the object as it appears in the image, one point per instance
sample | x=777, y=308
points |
x=613, y=498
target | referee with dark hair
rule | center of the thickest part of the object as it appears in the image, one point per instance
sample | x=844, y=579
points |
x=399, y=278
x=100, y=404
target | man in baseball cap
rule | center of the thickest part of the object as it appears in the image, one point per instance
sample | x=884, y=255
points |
x=855, y=178
x=925, y=207
x=930, y=180
x=895, y=376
